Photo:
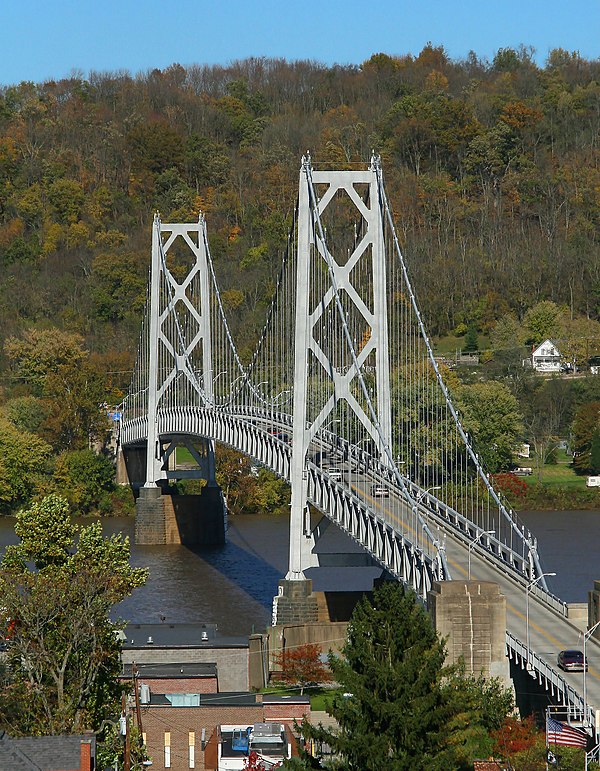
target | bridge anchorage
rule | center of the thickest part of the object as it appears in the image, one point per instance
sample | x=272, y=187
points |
x=342, y=397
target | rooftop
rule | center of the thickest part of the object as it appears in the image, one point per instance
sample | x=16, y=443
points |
x=50, y=753
x=178, y=636
x=187, y=670
x=268, y=739
x=226, y=699
x=278, y=698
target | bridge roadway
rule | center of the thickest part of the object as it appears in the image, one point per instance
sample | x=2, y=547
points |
x=549, y=631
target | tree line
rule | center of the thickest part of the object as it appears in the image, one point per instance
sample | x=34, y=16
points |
x=491, y=168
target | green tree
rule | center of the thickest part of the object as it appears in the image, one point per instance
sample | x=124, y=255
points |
x=85, y=479
x=507, y=334
x=23, y=460
x=74, y=396
x=585, y=424
x=471, y=342
x=491, y=415
x=543, y=321
x=118, y=285
x=399, y=710
x=595, y=452
x=39, y=352
x=57, y=591
x=155, y=147
x=66, y=197
x=25, y=412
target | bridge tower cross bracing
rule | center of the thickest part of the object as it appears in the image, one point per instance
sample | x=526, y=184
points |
x=310, y=308
x=170, y=356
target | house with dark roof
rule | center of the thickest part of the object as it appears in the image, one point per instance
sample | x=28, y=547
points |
x=47, y=753
x=183, y=645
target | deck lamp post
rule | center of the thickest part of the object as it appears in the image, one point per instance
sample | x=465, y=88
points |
x=472, y=544
x=527, y=588
x=586, y=637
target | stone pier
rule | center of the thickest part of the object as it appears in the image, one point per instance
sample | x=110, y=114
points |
x=191, y=520
x=295, y=603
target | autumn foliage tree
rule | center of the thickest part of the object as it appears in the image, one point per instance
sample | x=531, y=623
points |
x=302, y=666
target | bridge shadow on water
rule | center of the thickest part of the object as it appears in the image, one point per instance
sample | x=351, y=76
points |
x=232, y=585
x=243, y=567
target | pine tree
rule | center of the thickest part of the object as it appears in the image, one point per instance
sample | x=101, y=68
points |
x=391, y=716
x=401, y=708
x=471, y=342
x=595, y=452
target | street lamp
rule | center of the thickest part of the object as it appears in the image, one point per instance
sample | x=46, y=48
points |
x=472, y=544
x=527, y=588
x=586, y=636
x=423, y=493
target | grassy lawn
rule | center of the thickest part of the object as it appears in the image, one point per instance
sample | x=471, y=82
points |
x=319, y=697
x=183, y=455
x=559, y=474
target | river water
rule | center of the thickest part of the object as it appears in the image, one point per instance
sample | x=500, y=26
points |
x=233, y=585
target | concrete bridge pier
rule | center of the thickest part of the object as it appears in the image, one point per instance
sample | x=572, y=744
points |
x=190, y=520
x=471, y=616
x=131, y=466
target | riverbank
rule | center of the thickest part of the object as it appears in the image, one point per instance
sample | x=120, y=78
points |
x=540, y=497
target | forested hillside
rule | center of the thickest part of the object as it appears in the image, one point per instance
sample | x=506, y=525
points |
x=492, y=170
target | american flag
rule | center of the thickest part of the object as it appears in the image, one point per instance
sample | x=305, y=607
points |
x=560, y=733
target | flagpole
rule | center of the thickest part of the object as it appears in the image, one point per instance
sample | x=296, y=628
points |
x=547, y=747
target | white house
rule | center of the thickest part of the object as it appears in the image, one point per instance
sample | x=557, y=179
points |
x=546, y=357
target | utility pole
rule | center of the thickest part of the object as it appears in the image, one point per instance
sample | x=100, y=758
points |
x=127, y=761
x=138, y=711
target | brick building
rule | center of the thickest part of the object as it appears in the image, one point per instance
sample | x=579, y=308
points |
x=180, y=677
x=181, y=730
x=186, y=644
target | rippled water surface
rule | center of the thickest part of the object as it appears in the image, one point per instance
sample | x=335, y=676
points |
x=569, y=545
x=233, y=585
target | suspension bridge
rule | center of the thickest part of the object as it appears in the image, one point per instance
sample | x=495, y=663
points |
x=343, y=398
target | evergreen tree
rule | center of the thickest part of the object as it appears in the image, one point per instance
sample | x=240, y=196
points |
x=585, y=424
x=471, y=343
x=398, y=711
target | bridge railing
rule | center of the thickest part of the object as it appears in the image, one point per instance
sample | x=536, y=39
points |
x=530, y=661
x=505, y=558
